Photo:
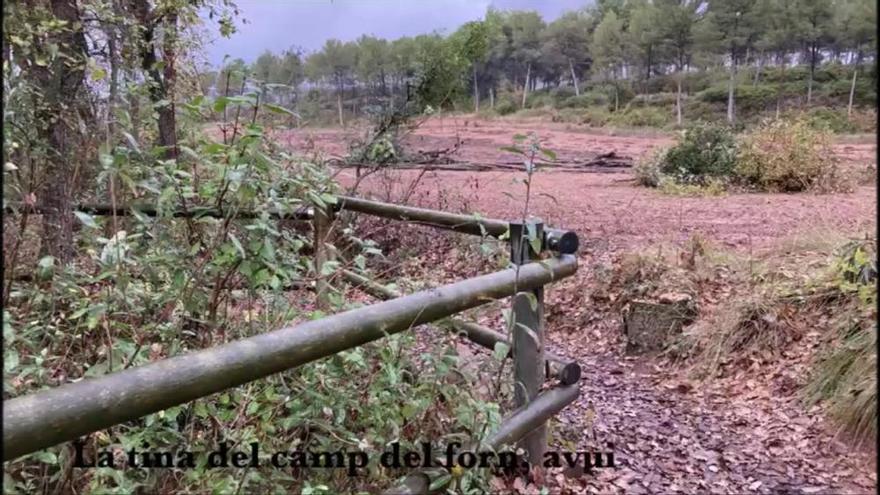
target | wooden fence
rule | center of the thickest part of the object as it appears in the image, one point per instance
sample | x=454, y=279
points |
x=65, y=413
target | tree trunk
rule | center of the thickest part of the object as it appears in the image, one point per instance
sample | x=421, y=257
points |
x=60, y=84
x=852, y=92
x=113, y=55
x=167, y=113
x=339, y=105
x=678, y=99
x=574, y=79
x=492, y=98
x=161, y=84
x=731, y=89
x=476, y=92
x=616, y=97
x=526, y=85
x=758, y=69
x=812, y=72
x=779, y=91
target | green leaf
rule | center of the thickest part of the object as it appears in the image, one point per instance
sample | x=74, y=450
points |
x=549, y=153
x=329, y=267
x=536, y=244
x=440, y=482
x=10, y=360
x=98, y=74
x=280, y=109
x=46, y=457
x=86, y=219
x=501, y=350
x=512, y=149
x=237, y=245
x=220, y=103
x=132, y=142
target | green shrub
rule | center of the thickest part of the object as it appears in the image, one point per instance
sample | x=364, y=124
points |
x=562, y=92
x=642, y=117
x=704, y=151
x=506, y=104
x=653, y=99
x=748, y=97
x=538, y=100
x=585, y=100
x=595, y=116
x=788, y=156
x=829, y=119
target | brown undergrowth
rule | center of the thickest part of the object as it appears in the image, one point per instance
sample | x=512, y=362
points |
x=801, y=315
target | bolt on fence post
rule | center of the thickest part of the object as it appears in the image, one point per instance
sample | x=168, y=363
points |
x=528, y=336
x=321, y=224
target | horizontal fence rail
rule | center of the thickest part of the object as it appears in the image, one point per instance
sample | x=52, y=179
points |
x=304, y=213
x=561, y=241
x=558, y=240
x=49, y=417
x=567, y=372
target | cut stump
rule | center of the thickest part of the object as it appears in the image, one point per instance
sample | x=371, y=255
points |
x=650, y=325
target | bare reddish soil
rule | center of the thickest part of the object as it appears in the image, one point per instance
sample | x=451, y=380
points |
x=607, y=208
x=670, y=435
x=481, y=139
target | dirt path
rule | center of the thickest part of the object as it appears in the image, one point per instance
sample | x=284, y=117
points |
x=673, y=439
x=670, y=435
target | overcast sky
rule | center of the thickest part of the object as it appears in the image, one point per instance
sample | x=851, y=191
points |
x=280, y=24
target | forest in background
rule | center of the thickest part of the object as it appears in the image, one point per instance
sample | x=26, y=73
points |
x=663, y=62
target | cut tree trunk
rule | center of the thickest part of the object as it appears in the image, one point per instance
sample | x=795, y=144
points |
x=574, y=79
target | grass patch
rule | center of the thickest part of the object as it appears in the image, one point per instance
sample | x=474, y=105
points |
x=711, y=187
x=845, y=371
x=772, y=308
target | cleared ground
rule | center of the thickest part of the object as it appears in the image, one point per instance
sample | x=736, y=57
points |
x=670, y=435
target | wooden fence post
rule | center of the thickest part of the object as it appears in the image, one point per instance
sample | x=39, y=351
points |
x=528, y=337
x=322, y=223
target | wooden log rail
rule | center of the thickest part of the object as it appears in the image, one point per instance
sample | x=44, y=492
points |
x=556, y=240
x=564, y=370
x=49, y=417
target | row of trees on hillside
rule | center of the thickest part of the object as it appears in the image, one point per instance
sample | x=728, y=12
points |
x=612, y=42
